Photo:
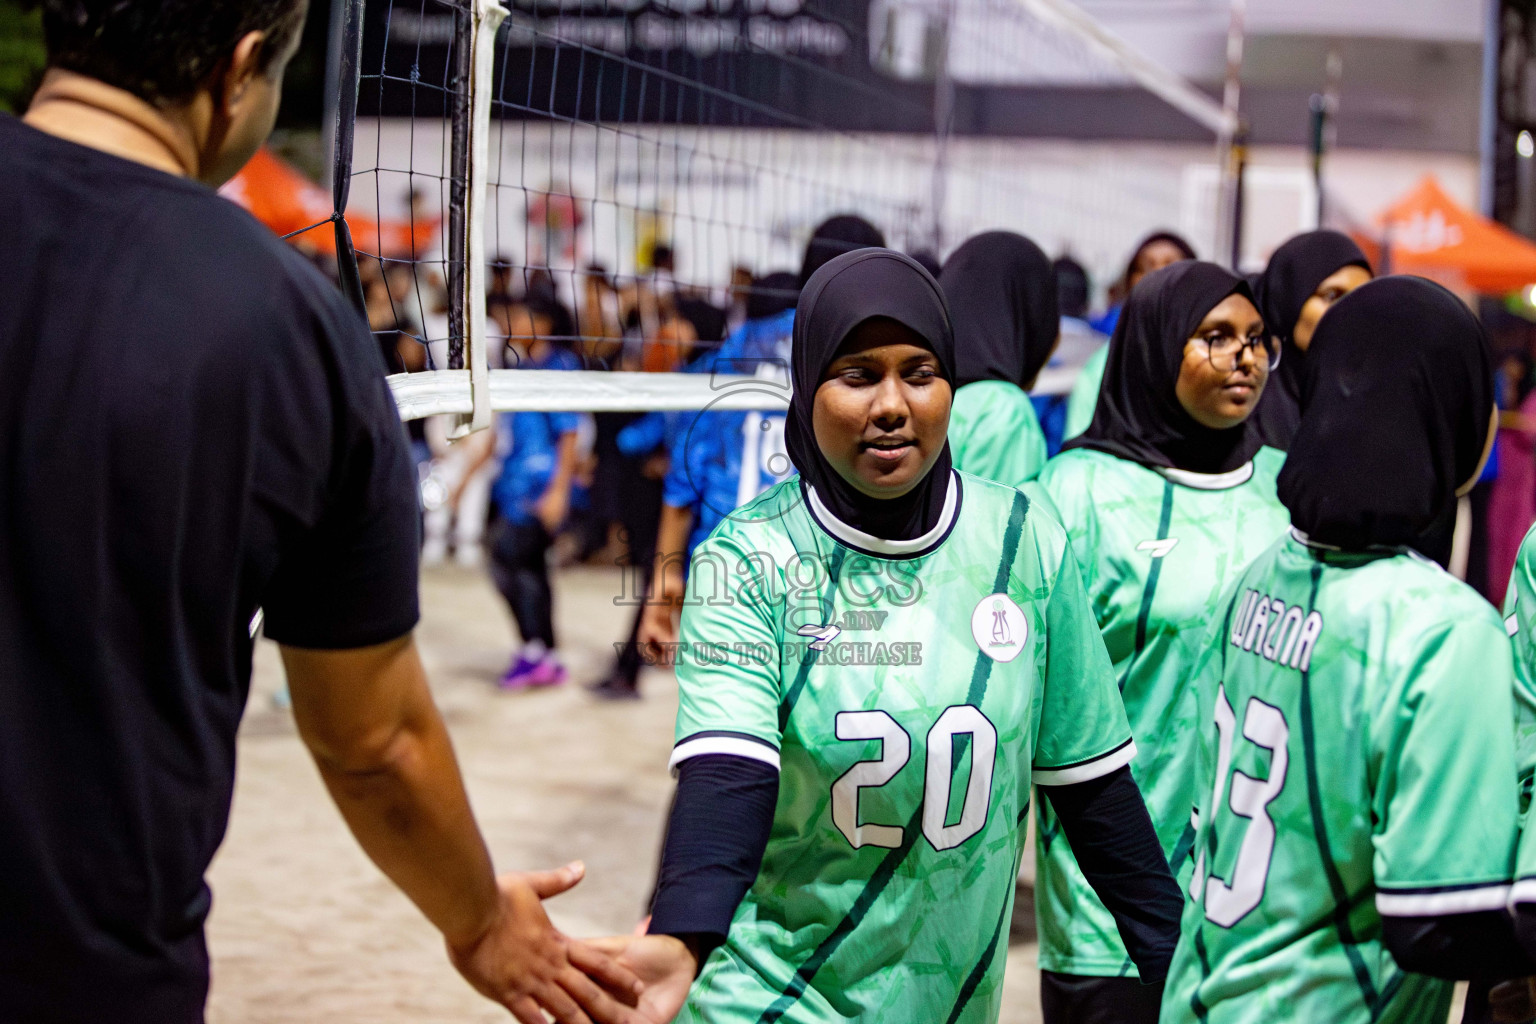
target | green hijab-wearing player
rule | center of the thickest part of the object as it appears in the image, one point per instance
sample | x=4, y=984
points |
x=1358, y=809
x=1158, y=250
x=1002, y=296
x=1166, y=497
x=891, y=655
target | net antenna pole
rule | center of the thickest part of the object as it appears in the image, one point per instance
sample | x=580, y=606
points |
x=1232, y=141
x=943, y=121
x=1324, y=106
x=1150, y=75
x=347, y=49
x=336, y=44
x=475, y=26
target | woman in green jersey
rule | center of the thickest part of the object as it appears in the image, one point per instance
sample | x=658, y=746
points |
x=1158, y=250
x=891, y=654
x=1520, y=623
x=1002, y=296
x=1356, y=767
x=1305, y=277
x=1166, y=496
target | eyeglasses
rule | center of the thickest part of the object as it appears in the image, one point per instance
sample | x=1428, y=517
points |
x=1226, y=351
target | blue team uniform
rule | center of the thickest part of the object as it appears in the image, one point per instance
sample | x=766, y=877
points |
x=533, y=450
x=722, y=460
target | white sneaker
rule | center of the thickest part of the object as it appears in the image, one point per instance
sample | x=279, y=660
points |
x=434, y=551
x=470, y=556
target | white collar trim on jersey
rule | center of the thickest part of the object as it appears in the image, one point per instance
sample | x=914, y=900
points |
x=879, y=545
x=1301, y=538
x=1209, y=481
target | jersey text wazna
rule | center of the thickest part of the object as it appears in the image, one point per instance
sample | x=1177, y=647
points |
x=1284, y=635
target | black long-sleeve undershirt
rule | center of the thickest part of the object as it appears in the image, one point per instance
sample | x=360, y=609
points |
x=1477, y=946
x=723, y=813
x=716, y=836
x=1106, y=822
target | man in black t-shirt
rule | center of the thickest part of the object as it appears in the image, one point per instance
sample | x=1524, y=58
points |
x=193, y=426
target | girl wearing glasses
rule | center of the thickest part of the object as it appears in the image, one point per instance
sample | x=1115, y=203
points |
x=1166, y=497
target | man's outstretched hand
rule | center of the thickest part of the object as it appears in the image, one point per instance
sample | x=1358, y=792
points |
x=664, y=964
x=522, y=962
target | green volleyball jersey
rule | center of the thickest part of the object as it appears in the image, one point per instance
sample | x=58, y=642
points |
x=1156, y=549
x=1085, y=394
x=1520, y=623
x=995, y=434
x=909, y=693
x=1356, y=761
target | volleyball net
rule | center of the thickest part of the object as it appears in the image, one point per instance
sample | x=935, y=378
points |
x=617, y=176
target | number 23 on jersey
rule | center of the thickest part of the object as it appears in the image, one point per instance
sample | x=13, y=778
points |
x=1229, y=901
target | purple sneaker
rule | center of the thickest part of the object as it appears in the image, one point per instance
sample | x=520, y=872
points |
x=513, y=678
x=529, y=673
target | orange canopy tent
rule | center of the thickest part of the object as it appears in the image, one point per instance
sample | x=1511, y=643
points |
x=1432, y=235
x=284, y=200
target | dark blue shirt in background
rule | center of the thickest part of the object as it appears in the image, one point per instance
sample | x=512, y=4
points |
x=533, y=451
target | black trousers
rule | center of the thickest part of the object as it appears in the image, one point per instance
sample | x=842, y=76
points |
x=638, y=508
x=1081, y=999
x=520, y=570
x=626, y=667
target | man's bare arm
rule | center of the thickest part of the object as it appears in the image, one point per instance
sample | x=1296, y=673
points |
x=368, y=718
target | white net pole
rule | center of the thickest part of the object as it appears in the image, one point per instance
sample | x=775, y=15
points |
x=486, y=17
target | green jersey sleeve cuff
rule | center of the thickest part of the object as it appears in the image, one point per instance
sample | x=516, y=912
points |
x=736, y=744
x=1440, y=900
x=1085, y=771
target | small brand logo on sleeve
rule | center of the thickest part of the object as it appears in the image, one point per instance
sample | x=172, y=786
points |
x=999, y=627
x=824, y=635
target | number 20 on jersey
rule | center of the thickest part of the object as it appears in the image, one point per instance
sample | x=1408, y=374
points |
x=895, y=752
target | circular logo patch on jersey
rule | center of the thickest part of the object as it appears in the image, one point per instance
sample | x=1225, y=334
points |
x=999, y=627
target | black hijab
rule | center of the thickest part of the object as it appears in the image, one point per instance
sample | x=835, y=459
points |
x=1002, y=294
x=845, y=292
x=1139, y=416
x=835, y=236
x=1398, y=395
x=1295, y=271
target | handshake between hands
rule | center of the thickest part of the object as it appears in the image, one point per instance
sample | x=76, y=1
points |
x=521, y=961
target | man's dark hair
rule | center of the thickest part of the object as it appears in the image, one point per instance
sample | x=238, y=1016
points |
x=1071, y=287
x=161, y=50
x=662, y=257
